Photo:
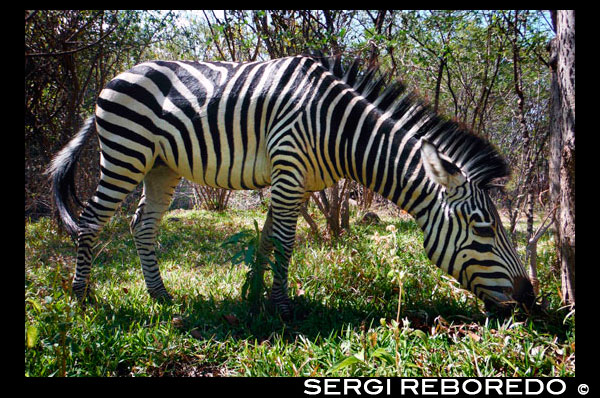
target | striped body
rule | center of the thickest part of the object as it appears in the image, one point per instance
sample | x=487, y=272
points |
x=216, y=124
x=298, y=124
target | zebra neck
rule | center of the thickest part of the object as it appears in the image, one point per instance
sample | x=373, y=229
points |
x=387, y=159
x=384, y=155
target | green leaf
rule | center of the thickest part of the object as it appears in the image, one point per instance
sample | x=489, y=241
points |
x=257, y=230
x=37, y=306
x=33, y=334
x=249, y=257
x=421, y=334
x=237, y=238
x=237, y=258
x=381, y=353
x=344, y=363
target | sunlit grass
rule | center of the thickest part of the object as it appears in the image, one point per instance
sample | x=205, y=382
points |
x=345, y=322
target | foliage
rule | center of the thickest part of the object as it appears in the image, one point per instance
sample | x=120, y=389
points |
x=69, y=57
x=248, y=242
x=254, y=286
x=211, y=198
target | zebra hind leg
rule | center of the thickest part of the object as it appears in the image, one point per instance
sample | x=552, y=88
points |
x=159, y=185
x=112, y=189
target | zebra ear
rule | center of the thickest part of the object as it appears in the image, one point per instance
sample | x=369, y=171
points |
x=440, y=170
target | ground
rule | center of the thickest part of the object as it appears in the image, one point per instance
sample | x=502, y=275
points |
x=366, y=304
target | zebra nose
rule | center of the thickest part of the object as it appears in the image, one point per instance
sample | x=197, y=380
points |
x=499, y=305
x=523, y=292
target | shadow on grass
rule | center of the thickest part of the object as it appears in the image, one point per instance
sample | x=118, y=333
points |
x=231, y=318
x=205, y=318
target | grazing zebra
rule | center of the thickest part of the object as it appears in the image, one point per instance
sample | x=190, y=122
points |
x=298, y=124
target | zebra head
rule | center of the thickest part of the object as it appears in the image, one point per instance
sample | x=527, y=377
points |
x=464, y=236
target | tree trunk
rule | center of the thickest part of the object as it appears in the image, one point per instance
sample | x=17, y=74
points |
x=438, y=83
x=555, y=146
x=528, y=160
x=333, y=203
x=563, y=126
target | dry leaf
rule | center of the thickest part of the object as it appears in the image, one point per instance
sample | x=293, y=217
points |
x=474, y=336
x=373, y=339
x=177, y=321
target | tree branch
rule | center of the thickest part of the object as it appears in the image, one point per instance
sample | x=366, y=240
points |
x=56, y=54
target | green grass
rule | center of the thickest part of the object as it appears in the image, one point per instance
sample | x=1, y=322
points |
x=345, y=319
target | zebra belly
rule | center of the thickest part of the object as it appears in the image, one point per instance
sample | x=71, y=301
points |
x=252, y=174
x=228, y=168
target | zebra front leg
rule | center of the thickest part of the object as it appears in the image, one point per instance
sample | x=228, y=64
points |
x=159, y=185
x=265, y=246
x=279, y=290
x=283, y=238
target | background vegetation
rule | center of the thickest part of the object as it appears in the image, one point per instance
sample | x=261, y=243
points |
x=489, y=70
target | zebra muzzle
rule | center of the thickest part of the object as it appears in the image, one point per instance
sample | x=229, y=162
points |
x=521, y=294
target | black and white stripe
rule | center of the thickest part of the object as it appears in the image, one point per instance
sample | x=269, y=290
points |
x=298, y=124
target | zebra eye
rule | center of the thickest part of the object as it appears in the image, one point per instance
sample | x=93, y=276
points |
x=484, y=230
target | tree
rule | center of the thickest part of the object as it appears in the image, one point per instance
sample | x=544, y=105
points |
x=562, y=129
x=69, y=56
x=528, y=161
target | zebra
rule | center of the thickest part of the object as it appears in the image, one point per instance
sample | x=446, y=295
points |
x=298, y=124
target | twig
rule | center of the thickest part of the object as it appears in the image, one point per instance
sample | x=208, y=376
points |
x=318, y=202
x=311, y=223
x=56, y=54
x=531, y=250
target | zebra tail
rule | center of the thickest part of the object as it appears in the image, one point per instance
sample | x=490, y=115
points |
x=62, y=175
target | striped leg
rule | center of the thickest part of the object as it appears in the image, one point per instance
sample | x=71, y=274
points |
x=111, y=191
x=285, y=208
x=265, y=246
x=159, y=185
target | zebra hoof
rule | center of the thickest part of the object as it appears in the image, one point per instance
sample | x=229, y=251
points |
x=161, y=295
x=84, y=295
x=286, y=314
x=284, y=309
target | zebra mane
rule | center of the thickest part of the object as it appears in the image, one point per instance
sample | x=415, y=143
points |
x=477, y=158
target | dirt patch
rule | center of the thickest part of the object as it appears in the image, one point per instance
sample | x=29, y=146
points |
x=186, y=366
